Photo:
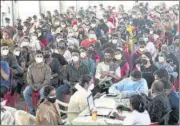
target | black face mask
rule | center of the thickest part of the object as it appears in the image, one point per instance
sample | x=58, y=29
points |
x=107, y=59
x=144, y=61
x=46, y=56
x=52, y=100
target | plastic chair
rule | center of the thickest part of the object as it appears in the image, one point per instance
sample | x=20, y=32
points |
x=35, y=99
x=12, y=99
x=66, y=97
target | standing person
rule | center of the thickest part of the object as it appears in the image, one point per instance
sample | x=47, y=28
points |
x=38, y=76
x=159, y=106
x=147, y=68
x=73, y=72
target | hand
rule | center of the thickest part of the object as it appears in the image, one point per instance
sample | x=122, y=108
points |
x=105, y=73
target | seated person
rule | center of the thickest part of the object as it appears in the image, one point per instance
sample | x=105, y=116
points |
x=38, y=76
x=5, y=75
x=54, y=65
x=73, y=72
x=48, y=112
x=127, y=87
x=78, y=101
x=173, y=100
x=139, y=115
x=88, y=61
x=159, y=106
x=6, y=39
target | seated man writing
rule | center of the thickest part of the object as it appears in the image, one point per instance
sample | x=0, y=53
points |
x=135, y=84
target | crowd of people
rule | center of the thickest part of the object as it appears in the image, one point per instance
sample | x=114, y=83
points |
x=135, y=54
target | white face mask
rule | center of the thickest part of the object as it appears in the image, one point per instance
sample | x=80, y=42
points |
x=63, y=26
x=59, y=39
x=75, y=28
x=53, y=33
x=39, y=60
x=34, y=37
x=70, y=34
x=145, y=39
x=92, y=36
x=16, y=53
x=114, y=41
x=83, y=54
x=151, y=32
x=4, y=52
x=93, y=25
x=161, y=59
x=75, y=59
x=142, y=49
x=39, y=34
x=24, y=44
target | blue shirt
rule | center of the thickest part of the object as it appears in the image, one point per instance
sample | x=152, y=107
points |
x=49, y=37
x=127, y=87
x=5, y=67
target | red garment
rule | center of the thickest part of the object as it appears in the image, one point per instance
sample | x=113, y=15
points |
x=44, y=42
x=87, y=42
x=75, y=22
x=124, y=69
x=111, y=20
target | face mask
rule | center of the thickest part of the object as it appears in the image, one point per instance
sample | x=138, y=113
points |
x=83, y=54
x=39, y=60
x=145, y=39
x=4, y=52
x=118, y=57
x=53, y=33
x=63, y=26
x=161, y=59
x=107, y=59
x=39, y=34
x=75, y=28
x=92, y=36
x=59, y=39
x=56, y=23
x=46, y=56
x=70, y=34
x=16, y=53
x=52, y=100
x=151, y=32
x=75, y=59
x=93, y=25
x=114, y=41
x=142, y=49
x=34, y=37
x=23, y=44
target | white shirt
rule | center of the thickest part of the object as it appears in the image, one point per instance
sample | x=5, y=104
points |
x=35, y=44
x=137, y=118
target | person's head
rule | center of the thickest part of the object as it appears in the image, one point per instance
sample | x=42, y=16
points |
x=62, y=46
x=83, y=53
x=7, y=21
x=92, y=34
x=63, y=24
x=114, y=38
x=137, y=102
x=56, y=23
x=50, y=94
x=118, y=55
x=39, y=57
x=47, y=53
x=146, y=58
x=157, y=87
x=136, y=75
x=141, y=46
x=161, y=74
x=59, y=37
x=39, y=31
x=25, y=42
x=75, y=56
x=108, y=55
x=93, y=23
x=70, y=32
x=4, y=49
x=85, y=81
x=34, y=17
x=17, y=50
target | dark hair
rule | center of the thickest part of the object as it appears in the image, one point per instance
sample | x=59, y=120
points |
x=136, y=74
x=141, y=42
x=75, y=51
x=84, y=79
x=4, y=44
x=138, y=103
x=39, y=52
x=47, y=90
x=167, y=83
x=157, y=86
x=162, y=73
x=109, y=50
x=148, y=54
